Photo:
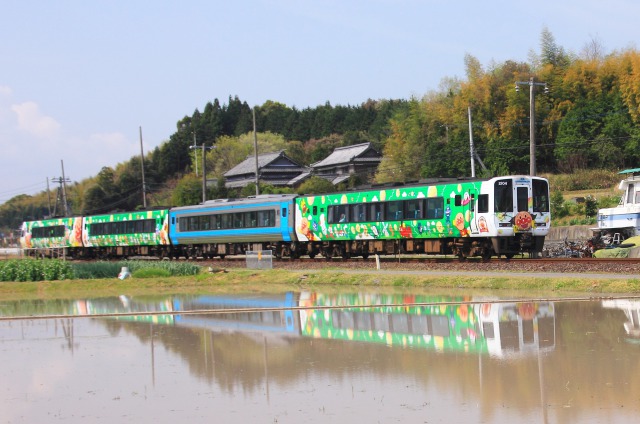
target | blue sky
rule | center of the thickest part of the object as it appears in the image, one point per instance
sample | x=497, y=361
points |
x=78, y=78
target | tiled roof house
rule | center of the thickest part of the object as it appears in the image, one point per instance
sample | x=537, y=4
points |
x=276, y=169
x=360, y=159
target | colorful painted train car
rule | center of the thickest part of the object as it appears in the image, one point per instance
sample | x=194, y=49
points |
x=140, y=233
x=501, y=216
x=51, y=235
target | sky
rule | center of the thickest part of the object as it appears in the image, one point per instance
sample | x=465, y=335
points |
x=79, y=79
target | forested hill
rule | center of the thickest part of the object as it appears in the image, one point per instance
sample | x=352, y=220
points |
x=587, y=118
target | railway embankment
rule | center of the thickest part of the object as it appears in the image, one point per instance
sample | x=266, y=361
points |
x=570, y=232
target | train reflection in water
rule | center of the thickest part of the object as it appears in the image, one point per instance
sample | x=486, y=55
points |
x=439, y=323
x=631, y=309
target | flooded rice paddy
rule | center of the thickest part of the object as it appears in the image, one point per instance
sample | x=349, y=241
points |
x=317, y=357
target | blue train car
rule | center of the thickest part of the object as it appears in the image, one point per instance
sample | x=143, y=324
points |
x=233, y=226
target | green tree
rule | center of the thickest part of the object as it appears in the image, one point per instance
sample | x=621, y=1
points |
x=316, y=185
x=188, y=191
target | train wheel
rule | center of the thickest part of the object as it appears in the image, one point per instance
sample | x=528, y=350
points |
x=486, y=255
x=327, y=253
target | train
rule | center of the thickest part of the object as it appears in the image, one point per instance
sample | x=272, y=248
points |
x=500, y=216
x=623, y=221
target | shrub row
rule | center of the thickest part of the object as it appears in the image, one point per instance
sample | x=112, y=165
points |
x=54, y=269
x=35, y=270
x=103, y=269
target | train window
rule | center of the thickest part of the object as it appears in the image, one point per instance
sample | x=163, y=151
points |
x=483, y=203
x=338, y=214
x=250, y=219
x=523, y=199
x=131, y=227
x=540, y=196
x=149, y=226
x=47, y=232
x=203, y=223
x=214, y=223
x=284, y=212
x=414, y=209
x=376, y=212
x=440, y=326
x=315, y=210
x=225, y=221
x=503, y=196
x=266, y=218
x=330, y=214
x=458, y=200
x=394, y=211
x=358, y=213
x=238, y=221
x=435, y=208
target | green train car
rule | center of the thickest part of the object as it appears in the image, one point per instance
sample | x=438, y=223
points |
x=498, y=216
x=143, y=233
x=50, y=235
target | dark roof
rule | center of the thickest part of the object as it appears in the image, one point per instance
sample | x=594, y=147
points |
x=278, y=160
x=345, y=155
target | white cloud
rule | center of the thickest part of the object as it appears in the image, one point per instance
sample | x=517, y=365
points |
x=5, y=91
x=31, y=120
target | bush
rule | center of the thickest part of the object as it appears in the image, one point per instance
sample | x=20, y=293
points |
x=35, y=270
x=151, y=273
x=584, y=179
x=104, y=269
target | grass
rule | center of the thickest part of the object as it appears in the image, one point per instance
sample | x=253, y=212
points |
x=277, y=281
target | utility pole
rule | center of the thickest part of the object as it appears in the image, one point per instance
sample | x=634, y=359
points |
x=473, y=165
x=49, y=196
x=255, y=147
x=62, y=190
x=144, y=189
x=195, y=155
x=532, y=120
x=204, y=174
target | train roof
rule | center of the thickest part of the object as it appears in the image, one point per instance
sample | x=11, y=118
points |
x=630, y=171
x=261, y=198
x=428, y=181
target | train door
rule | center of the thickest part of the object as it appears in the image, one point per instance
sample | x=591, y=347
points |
x=523, y=221
x=286, y=221
x=470, y=209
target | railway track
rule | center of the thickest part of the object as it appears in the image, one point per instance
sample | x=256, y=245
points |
x=620, y=266
x=443, y=260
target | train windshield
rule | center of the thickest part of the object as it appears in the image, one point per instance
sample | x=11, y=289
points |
x=540, y=196
x=503, y=196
